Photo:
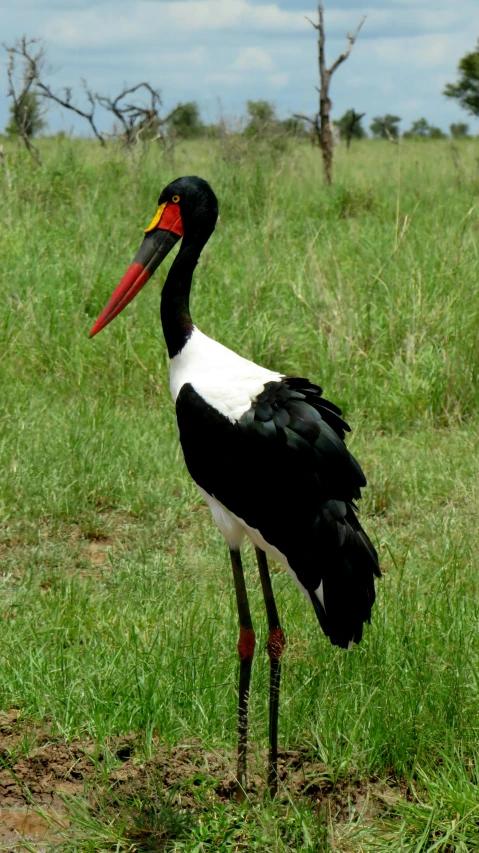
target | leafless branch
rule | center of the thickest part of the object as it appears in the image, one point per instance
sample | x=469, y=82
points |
x=305, y=118
x=33, y=63
x=66, y=102
x=18, y=54
x=351, y=39
x=135, y=118
x=315, y=127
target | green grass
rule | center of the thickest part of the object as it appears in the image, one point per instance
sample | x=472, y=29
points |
x=117, y=611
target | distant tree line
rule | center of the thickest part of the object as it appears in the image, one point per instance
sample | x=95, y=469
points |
x=134, y=120
x=387, y=127
x=261, y=122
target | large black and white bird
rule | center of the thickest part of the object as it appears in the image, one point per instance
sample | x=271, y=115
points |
x=267, y=453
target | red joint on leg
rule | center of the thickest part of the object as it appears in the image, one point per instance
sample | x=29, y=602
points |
x=246, y=643
x=276, y=643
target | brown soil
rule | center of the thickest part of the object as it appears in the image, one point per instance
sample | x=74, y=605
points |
x=32, y=786
x=97, y=550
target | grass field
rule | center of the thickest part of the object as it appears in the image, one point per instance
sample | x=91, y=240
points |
x=117, y=612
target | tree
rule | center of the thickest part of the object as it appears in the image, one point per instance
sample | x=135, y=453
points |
x=423, y=130
x=350, y=126
x=26, y=116
x=420, y=127
x=459, y=129
x=29, y=56
x=21, y=74
x=436, y=133
x=385, y=127
x=293, y=126
x=186, y=122
x=262, y=117
x=321, y=123
x=466, y=90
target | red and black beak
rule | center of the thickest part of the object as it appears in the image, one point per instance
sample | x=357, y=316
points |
x=161, y=235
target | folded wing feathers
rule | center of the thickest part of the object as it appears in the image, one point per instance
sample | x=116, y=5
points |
x=294, y=410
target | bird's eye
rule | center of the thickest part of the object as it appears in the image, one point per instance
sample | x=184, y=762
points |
x=175, y=198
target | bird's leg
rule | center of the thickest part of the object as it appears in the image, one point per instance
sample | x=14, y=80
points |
x=276, y=644
x=246, y=644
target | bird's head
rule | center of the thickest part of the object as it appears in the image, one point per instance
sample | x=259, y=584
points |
x=186, y=208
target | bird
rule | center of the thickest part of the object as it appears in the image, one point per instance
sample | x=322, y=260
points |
x=267, y=453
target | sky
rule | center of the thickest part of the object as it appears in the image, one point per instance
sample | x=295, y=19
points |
x=221, y=53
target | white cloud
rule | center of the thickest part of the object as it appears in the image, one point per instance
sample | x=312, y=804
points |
x=253, y=59
x=109, y=23
x=220, y=14
x=248, y=49
x=422, y=52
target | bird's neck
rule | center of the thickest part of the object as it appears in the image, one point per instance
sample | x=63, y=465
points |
x=175, y=297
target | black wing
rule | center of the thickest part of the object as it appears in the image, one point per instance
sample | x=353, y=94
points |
x=284, y=469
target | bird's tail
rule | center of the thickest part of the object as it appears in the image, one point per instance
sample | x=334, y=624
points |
x=345, y=597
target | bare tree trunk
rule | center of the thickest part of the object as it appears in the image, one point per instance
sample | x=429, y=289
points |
x=322, y=122
x=325, y=104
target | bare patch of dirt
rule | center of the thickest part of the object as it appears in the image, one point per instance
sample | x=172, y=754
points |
x=33, y=783
x=31, y=824
x=83, y=546
x=25, y=816
x=188, y=767
x=96, y=550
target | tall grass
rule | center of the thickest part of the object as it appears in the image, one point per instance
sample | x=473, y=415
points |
x=369, y=288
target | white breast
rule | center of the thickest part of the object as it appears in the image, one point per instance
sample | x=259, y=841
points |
x=221, y=377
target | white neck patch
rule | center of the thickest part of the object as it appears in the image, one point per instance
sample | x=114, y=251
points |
x=222, y=378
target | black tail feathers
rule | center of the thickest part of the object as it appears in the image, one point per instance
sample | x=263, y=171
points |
x=344, y=600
